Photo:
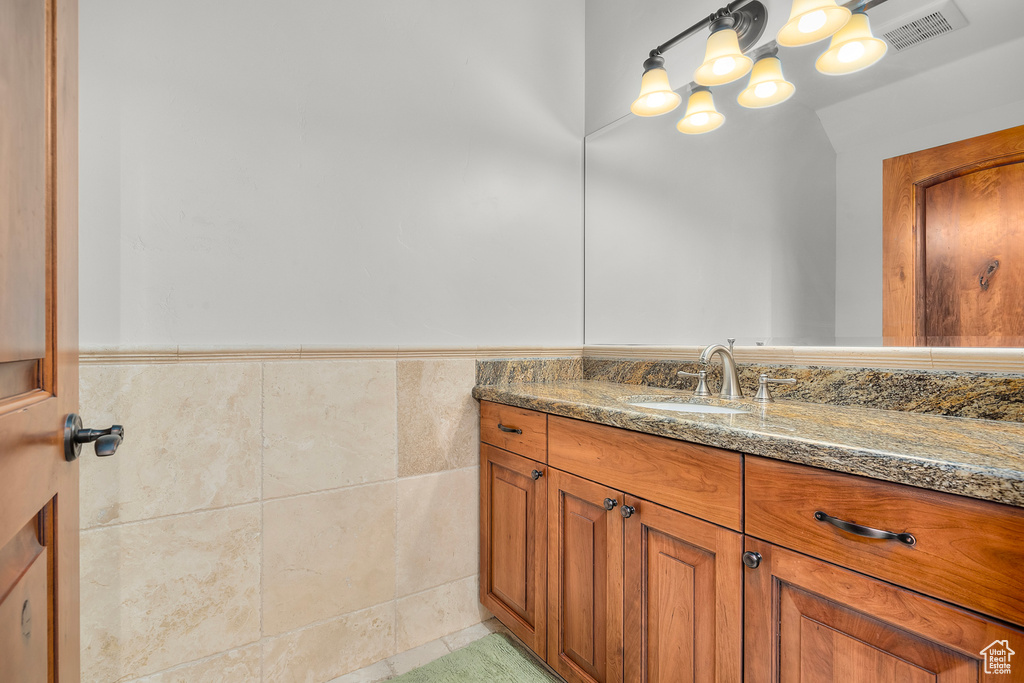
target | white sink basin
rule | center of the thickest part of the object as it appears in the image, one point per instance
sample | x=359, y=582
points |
x=688, y=407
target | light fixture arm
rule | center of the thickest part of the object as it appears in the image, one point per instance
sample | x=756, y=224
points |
x=729, y=10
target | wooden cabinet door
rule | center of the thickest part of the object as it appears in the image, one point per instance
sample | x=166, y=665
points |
x=683, y=598
x=584, y=580
x=813, y=622
x=513, y=543
x=38, y=340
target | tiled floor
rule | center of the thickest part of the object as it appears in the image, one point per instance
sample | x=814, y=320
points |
x=424, y=654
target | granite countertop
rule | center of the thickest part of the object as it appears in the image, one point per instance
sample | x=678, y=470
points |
x=977, y=458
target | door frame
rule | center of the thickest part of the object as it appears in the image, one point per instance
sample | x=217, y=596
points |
x=904, y=181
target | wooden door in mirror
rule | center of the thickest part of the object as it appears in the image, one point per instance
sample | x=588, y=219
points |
x=953, y=244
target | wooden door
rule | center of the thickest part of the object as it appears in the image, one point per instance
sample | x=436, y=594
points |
x=584, y=580
x=813, y=622
x=513, y=543
x=683, y=605
x=38, y=340
x=953, y=244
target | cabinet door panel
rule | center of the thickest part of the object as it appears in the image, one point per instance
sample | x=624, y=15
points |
x=584, y=580
x=513, y=533
x=684, y=592
x=807, y=620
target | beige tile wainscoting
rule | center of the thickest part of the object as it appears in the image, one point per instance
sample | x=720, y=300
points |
x=277, y=515
x=297, y=514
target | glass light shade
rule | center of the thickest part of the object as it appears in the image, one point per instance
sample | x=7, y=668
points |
x=701, y=115
x=767, y=85
x=723, y=61
x=853, y=48
x=811, y=21
x=656, y=95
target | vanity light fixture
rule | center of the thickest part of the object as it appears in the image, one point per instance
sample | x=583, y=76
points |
x=701, y=115
x=767, y=86
x=723, y=60
x=656, y=95
x=735, y=29
x=811, y=21
x=852, y=48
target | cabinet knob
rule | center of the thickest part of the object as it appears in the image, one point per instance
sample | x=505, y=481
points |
x=536, y=474
x=610, y=503
x=627, y=511
x=752, y=559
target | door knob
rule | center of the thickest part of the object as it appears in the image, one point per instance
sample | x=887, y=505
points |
x=107, y=440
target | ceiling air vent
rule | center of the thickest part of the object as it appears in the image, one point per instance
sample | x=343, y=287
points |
x=927, y=22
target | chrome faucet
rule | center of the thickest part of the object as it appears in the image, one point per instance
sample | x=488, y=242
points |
x=730, y=378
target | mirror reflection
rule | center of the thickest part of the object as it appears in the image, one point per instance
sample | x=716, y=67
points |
x=769, y=229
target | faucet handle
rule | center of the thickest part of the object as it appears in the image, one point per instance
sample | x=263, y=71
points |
x=763, y=395
x=702, y=381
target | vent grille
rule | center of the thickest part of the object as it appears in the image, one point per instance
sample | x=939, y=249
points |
x=925, y=28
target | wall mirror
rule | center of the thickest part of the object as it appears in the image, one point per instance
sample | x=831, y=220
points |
x=769, y=229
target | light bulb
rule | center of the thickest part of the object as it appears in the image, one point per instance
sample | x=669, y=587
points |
x=723, y=66
x=724, y=62
x=853, y=48
x=656, y=96
x=765, y=90
x=811, y=22
x=700, y=119
x=655, y=100
x=767, y=86
x=850, y=52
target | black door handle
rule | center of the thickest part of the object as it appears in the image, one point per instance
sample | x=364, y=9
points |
x=107, y=440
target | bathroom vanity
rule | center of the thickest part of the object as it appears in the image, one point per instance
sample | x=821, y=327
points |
x=786, y=542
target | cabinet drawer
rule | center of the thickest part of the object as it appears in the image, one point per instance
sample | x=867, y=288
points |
x=514, y=429
x=699, y=480
x=966, y=551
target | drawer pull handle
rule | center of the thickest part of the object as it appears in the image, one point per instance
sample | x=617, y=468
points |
x=510, y=430
x=865, y=531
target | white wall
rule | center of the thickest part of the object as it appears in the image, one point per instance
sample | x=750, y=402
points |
x=961, y=100
x=322, y=172
x=691, y=239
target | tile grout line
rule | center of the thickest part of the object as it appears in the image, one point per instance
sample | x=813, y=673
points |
x=174, y=515
x=394, y=557
x=193, y=662
x=258, y=501
x=327, y=620
x=263, y=456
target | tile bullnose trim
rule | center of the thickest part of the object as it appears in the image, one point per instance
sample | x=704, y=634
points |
x=194, y=354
